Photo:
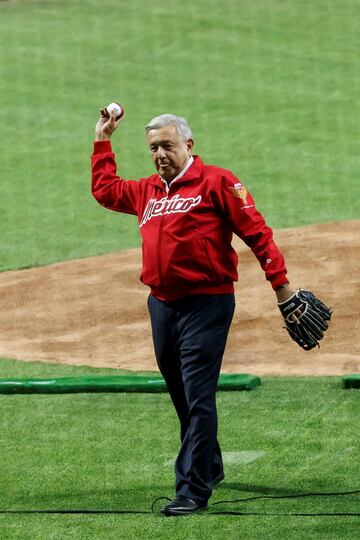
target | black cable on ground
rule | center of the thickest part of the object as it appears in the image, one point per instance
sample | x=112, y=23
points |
x=211, y=513
x=80, y=511
x=298, y=495
x=233, y=513
x=148, y=512
x=224, y=513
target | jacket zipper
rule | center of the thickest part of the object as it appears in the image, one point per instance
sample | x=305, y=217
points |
x=160, y=237
x=158, y=250
x=160, y=272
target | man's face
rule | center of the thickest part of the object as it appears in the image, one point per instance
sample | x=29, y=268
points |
x=169, y=152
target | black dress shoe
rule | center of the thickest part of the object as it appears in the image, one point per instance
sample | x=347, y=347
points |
x=218, y=479
x=183, y=506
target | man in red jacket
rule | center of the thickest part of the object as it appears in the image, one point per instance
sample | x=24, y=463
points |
x=187, y=213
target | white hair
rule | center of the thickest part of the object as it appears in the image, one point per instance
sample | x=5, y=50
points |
x=171, y=120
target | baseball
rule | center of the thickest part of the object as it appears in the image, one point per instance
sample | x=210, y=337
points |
x=116, y=107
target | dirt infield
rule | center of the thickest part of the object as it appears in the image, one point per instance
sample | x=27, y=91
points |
x=93, y=311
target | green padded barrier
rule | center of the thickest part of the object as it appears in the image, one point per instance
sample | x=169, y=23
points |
x=351, y=381
x=123, y=383
x=238, y=381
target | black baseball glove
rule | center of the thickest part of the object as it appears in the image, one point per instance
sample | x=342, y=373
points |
x=311, y=314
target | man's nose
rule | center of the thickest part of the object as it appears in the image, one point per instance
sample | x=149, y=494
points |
x=160, y=152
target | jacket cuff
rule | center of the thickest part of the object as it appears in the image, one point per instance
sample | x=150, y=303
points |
x=100, y=147
x=278, y=280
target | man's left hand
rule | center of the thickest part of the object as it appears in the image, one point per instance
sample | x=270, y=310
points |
x=306, y=318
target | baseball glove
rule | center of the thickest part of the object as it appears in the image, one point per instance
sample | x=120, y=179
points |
x=311, y=314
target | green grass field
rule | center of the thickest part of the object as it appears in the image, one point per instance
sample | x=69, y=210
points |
x=102, y=452
x=270, y=89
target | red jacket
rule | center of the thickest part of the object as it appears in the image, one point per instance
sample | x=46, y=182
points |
x=187, y=232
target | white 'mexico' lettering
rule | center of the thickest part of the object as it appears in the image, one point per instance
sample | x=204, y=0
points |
x=168, y=206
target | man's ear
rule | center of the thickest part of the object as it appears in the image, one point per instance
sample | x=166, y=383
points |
x=189, y=144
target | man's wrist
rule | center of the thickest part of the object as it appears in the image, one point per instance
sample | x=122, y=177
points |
x=102, y=137
x=283, y=292
x=283, y=286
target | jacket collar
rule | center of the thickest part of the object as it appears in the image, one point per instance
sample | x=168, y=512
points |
x=183, y=172
x=194, y=171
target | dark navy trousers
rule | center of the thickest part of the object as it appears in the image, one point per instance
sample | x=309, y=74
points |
x=189, y=340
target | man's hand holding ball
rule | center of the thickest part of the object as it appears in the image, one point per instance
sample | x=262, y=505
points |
x=110, y=118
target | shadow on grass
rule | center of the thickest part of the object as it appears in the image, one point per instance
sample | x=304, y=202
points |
x=139, y=498
x=140, y=494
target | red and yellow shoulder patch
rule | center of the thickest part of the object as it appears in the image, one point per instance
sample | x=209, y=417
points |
x=239, y=191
